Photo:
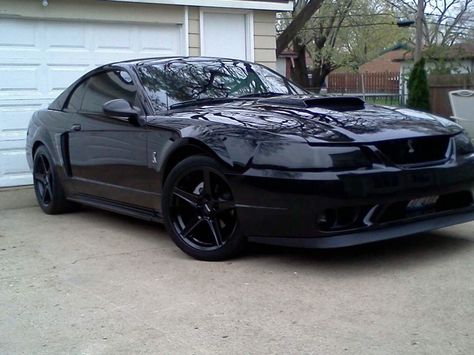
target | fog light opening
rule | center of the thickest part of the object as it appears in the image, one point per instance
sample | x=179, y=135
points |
x=326, y=219
x=338, y=218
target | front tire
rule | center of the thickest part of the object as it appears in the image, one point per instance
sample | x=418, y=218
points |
x=199, y=210
x=48, y=188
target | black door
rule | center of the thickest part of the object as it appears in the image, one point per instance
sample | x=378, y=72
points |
x=108, y=156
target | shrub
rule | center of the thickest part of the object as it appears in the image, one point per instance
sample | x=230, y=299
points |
x=418, y=91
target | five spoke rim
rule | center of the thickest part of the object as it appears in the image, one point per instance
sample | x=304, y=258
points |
x=43, y=179
x=202, y=209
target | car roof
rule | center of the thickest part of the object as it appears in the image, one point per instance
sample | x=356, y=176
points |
x=163, y=60
x=59, y=102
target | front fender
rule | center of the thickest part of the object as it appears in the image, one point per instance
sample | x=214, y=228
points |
x=233, y=152
x=231, y=149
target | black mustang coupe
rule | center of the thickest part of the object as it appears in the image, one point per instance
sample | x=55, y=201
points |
x=226, y=151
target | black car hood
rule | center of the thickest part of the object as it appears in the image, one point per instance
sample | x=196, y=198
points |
x=317, y=124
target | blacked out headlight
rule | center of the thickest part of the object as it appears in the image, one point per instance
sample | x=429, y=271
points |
x=463, y=144
x=300, y=156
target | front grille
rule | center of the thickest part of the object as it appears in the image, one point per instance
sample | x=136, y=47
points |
x=415, y=150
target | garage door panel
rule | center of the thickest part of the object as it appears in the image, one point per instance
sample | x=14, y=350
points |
x=12, y=140
x=67, y=57
x=61, y=76
x=39, y=59
x=13, y=165
x=14, y=120
x=16, y=179
x=168, y=42
x=14, y=57
x=26, y=38
x=55, y=39
x=14, y=169
x=19, y=80
x=112, y=37
x=18, y=77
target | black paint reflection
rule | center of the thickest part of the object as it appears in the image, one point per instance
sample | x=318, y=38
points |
x=316, y=125
x=179, y=81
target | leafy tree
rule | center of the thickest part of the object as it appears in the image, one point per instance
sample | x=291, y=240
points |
x=347, y=33
x=418, y=91
x=290, y=26
x=342, y=34
x=370, y=30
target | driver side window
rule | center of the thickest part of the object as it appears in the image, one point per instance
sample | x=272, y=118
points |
x=106, y=86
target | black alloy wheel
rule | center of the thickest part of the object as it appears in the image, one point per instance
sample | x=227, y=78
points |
x=43, y=180
x=200, y=211
x=48, y=188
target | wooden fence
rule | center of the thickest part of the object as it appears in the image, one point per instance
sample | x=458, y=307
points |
x=441, y=85
x=386, y=88
x=364, y=83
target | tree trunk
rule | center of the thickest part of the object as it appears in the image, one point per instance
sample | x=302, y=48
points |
x=319, y=76
x=299, y=73
x=285, y=38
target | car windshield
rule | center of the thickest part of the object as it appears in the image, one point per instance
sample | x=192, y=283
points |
x=178, y=82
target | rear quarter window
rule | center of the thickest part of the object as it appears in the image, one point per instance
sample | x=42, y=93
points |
x=75, y=99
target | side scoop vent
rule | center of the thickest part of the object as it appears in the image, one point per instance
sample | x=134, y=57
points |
x=336, y=103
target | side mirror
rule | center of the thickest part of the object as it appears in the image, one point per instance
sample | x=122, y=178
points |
x=121, y=109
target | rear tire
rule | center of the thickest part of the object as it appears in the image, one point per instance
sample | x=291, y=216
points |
x=48, y=188
x=199, y=210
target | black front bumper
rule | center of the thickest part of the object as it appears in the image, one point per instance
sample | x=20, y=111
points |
x=282, y=207
x=370, y=235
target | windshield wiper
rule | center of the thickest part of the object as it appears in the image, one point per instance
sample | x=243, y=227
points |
x=210, y=100
x=263, y=94
x=204, y=100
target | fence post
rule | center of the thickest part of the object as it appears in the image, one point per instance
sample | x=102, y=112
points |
x=402, y=89
x=363, y=85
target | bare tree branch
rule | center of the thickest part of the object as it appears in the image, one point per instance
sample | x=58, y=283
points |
x=446, y=21
x=290, y=32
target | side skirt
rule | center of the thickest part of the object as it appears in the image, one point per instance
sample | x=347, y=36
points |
x=146, y=214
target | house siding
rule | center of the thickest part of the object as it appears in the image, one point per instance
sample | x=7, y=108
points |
x=193, y=31
x=464, y=66
x=265, y=38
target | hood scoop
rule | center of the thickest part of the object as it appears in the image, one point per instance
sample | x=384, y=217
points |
x=334, y=103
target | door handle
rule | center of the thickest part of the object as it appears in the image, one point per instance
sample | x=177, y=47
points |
x=76, y=127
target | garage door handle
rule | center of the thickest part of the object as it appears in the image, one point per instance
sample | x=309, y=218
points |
x=76, y=127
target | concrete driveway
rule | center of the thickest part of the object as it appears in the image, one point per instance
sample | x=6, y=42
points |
x=94, y=282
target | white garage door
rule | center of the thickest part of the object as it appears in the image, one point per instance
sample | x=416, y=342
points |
x=39, y=59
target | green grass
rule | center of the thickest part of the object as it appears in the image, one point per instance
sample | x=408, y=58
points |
x=388, y=101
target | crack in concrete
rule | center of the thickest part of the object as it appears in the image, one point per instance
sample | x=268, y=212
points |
x=112, y=254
